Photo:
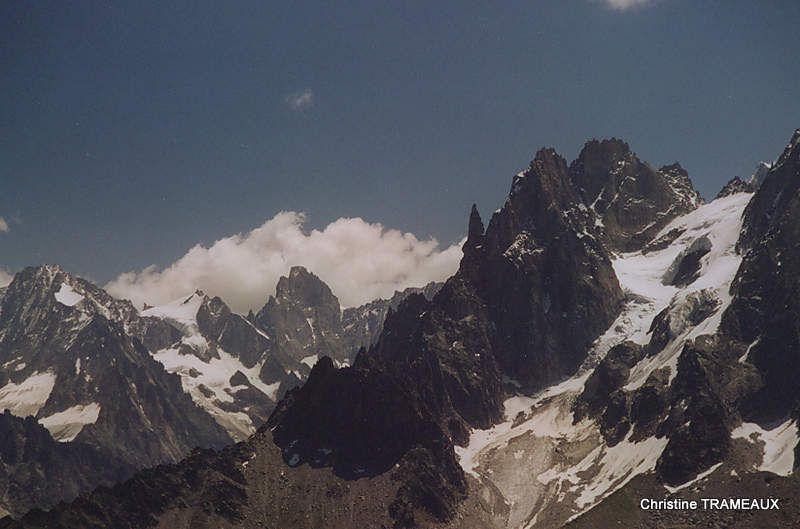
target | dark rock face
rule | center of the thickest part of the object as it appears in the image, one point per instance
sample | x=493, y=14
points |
x=765, y=308
x=633, y=200
x=736, y=185
x=547, y=282
x=649, y=405
x=758, y=176
x=37, y=471
x=686, y=267
x=531, y=294
x=304, y=317
x=363, y=325
x=601, y=391
x=56, y=329
x=304, y=425
x=232, y=332
x=698, y=425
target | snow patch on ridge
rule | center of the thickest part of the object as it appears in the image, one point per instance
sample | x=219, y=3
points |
x=701, y=476
x=310, y=361
x=181, y=312
x=67, y=296
x=65, y=425
x=205, y=377
x=779, y=444
x=208, y=383
x=27, y=397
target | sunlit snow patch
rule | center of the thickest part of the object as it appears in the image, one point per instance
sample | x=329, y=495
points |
x=67, y=296
x=181, y=312
x=27, y=397
x=779, y=445
x=310, y=361
x=65, y=425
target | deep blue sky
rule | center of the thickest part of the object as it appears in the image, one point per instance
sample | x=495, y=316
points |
x=129, y=131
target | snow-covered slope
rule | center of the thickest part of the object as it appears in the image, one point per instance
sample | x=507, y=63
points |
x=546, y=466
x=220, y=358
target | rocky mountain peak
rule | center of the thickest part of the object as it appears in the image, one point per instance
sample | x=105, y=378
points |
x=775, y=202
x=674, y=168
x=597, y=161
x=304, y=317
x=632, y=200
x=304, y=288
x=760, y=172
x=736, y=185
x=539, y=198
x=473, y=247
x=790, y=152
x=475, y=229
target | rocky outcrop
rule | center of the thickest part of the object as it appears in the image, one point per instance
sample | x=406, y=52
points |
x=765, y=308
x=632, y=200
x=304, y=317
x=70, y=362
x=37, y=471
x=603, y=396
x=736, y=185
x=685, y=269
x=531, y=294
x=547, y=282
x=363, y=325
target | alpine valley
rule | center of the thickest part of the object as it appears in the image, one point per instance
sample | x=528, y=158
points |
x=607, y=338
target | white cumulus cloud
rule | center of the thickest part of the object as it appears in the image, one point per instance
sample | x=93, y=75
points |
x=622, y=5
x=300, y=100
x=4, y=226
x=359, y=260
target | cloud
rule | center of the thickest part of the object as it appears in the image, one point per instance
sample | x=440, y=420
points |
x=300, y=100
x=622, y=5
x=4, y=228
x=5, y=278
x=360, y=261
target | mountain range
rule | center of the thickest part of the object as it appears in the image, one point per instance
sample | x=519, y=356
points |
x=114, y=389
x=607, y=337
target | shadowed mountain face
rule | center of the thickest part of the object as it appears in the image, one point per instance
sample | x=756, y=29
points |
x=38, y=471
x=304, y=317
x=362, y=325
x=75, y=368
x=121, y=389
x=70, y=362
x=764, y=314
x=550, y=382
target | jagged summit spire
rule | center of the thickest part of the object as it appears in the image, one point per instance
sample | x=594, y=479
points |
x=674, y=167
x=792, y=149
x=476, y=229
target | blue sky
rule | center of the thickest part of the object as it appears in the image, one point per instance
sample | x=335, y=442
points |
x=131, y=131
